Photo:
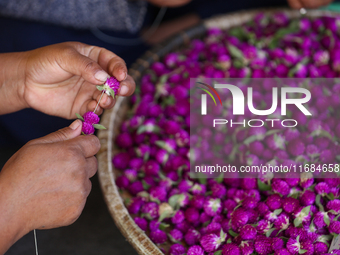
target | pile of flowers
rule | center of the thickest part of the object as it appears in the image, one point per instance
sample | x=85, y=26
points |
x=239, y=216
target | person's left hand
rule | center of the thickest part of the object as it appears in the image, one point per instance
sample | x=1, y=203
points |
x=60, y=79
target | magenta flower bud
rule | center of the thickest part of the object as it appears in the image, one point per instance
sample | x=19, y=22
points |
x=277, y=243
x=175, y=235
x=178, y=217
x=296, y=147
x=320, y=248
x=274, y=202
x=113, y=83
x=262, y=208
x=141, y=223
x=321, y=58
x=322, y=188
x=135, y=187
x=314, y=72
x=276, y=141
x=282, y=221
x=87, y=128
x=124, y=140
x=213, y=228
x=249, y=203
x=263, y=245
x=263, y=226
x=185, y=185
x=212, y=206
x=192, y=237
x=239, y=217
x=192, y=215
x=158, y=237
x=211, y=242
x=151, y=167
x=280, y=187
x=327, y=156
x=197, y=201
x=198, y=189
x=290, y=204
x=182, y=138
x=162, y=156
x=334, y=205
x=135, y=206
x=158, y=193
x=256, y=148
x=218, y=191
x=195, y=250
x=91, y=118
x=158, y=68
x=150, y=209
x=231, y=249
x=170, y=59
x=171, y=127
x=248, y=232
x=131, y=174
x=122, y=182
x=177, y=249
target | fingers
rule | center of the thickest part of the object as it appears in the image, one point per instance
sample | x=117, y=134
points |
x=91, y=166
x=76, y=63
x=64, y=134
x=295, y=4
x=89, y=145
x=127, y=87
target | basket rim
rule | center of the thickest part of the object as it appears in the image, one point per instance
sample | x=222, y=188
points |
x=137, y=238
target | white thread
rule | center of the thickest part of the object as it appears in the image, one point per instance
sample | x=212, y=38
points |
x=35, y=242
x=99, y=101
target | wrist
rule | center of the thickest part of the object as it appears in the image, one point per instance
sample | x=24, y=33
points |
x=13, y=226
x=12, y=81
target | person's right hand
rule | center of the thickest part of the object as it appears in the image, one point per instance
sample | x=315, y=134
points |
x=169, y=3
x=45, y=184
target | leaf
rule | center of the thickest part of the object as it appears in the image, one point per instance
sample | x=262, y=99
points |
x=164, y=146
x=232, y=233
x=269, y=232
x=278, y=211
x=235, y=52
x=262, y=186
x=79, y=117
x=326, y=219
x=163, y=226
x=322, y=133
x=100, y=87
x=229, y=240
x=220, y=178
x=218, y=253
x=302, y=251
x=98, y=126
x=297, y=222
x=318, y=203
x=306, y=210
x=174, y=200
x=330, y=196
x=251, y=139
x=145, y=185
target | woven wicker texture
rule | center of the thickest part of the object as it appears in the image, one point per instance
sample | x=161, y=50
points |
x=113, y=118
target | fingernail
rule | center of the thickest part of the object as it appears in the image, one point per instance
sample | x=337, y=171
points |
x=125, y=76
x=101, y=76
x=124, y=90
x=75, y=124
x=108, y=101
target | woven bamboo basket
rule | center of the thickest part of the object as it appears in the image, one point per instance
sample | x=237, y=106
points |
x=113, y=118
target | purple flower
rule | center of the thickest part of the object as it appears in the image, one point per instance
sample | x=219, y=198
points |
x=177, y=249
x=296, y=147
x=262, y=208
x=231, y=249
x=213, y=228
x=192, y=215
x=280, y=187
x=307, y=198
x=91, y=118
x=142, y=223
x=124, y=140
x=212, y=242
x=249, y=203
x=334, y=227
x=114, y=84
x=218, y=191
x=263, y=245
x=248, y=232
x=136, y=187
x=290, y=204
x=212, y=206
x=151, y=167
x=321, y=58
x=122, y=182
x=87, y=128
x=158, y=236
x=320, y=248
x=263, y=226
x=175, y=235
x=334, y=205
x=277, y=243
x=274, y=202
x=282, y=221
x=322, y=188
x=192, y=236
x=195, y=250
x=135, y=205
x=282, y=251
x=121, y=160
x=150, y=209
x=239, y=218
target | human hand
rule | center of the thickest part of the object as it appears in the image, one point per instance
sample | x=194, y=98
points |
x=169, y=3
x=45, y=184
x=310, y=4
x=60, y=79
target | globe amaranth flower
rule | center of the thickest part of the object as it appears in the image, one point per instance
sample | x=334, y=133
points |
x=239, y=218
x=192, y=215
x=212, y=206
x=142, y=223
x=158, y=236
x=334, y=205
x=334, y=227
x=175, y=235
x=192, y=236
x=274, y=202
x=195, y=250
x=212, y=242
x=290, y=204
x=177, y=249
x=231, y=249
x=280, y=187
x=263, y=245
x=248, y=232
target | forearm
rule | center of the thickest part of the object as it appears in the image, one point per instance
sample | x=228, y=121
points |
x=12, y=77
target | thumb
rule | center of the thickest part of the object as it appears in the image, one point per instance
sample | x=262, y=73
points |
x=64, y=134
